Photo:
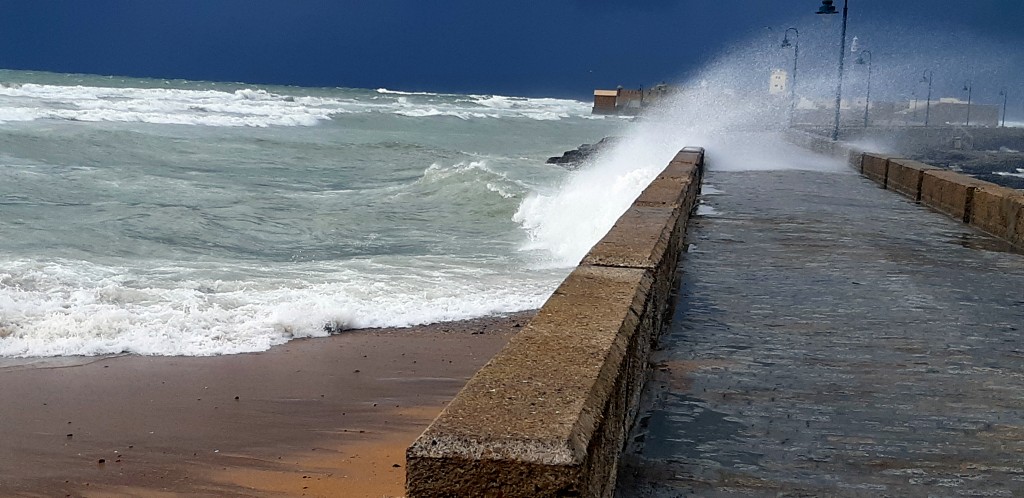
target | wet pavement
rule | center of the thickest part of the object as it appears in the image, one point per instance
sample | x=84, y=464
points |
x=833, y=339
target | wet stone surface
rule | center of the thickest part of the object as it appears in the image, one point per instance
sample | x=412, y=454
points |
x=833, y=339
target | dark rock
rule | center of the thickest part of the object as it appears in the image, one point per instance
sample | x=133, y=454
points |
x=572, y=159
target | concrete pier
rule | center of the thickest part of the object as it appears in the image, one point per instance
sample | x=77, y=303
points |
x=832, y=338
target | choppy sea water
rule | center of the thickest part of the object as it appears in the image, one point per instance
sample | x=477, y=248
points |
x=195, y=218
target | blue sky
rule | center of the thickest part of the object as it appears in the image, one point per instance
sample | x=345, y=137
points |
x=526, y=47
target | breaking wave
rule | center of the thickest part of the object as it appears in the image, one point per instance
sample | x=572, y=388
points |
x=257, y=107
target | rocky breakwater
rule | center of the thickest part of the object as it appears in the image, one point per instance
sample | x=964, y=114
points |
x=549, y=414
x=573, y=159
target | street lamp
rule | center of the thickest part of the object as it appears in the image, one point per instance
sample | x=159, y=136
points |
x=927, y=77
x=827, y=8
x=969, y=88
x=1004, y=94
x=867, y=99
x=796, y=58
x=914, y=95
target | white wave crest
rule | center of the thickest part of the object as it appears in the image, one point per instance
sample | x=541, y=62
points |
x=64, y=308
x=256, y=107
x=566, y=223
x=243, y=107
x=385, y=91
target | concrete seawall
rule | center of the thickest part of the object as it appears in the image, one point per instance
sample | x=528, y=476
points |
x=993, y=209
x=548, y=415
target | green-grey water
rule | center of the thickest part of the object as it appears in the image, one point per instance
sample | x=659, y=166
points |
x=194, y=218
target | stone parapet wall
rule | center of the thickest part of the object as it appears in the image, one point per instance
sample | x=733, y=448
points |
x=949, y=192
x=549, y=414
x=875, y=168
x=1000, y=212
x=906, y=176
x=991, y=208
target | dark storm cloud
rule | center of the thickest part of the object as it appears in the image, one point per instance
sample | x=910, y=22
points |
x=525, y=47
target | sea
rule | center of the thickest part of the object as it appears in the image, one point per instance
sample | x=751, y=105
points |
x=170, y=217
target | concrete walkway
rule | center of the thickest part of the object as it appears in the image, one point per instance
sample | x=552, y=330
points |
x=834, y=339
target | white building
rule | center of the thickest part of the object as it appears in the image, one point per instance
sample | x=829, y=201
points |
x=779, y=82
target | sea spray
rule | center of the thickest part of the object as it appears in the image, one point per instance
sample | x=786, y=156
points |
x=565, y=223
x=740, y=130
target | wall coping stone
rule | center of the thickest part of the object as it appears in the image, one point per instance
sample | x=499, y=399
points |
x=549, y=414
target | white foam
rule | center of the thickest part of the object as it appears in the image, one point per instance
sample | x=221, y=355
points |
x=243, y=107
x=254, y=107
x=385, y=91
x=63, y=308
x=1019, y=173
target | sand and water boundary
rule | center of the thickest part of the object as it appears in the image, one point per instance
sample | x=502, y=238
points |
x=332, y=417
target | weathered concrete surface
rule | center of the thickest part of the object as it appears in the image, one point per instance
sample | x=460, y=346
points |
x=876, y=168
x=833, y=339
x=548, y=415
x=1016, y=236
x=905, y=177
x=995, y=210
x=855, y=159
x=949, y=192
x=523, y=426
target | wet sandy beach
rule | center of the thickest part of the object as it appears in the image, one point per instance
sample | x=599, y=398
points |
x=314, y=417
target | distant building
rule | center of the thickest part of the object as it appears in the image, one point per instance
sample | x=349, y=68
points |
x=628, y=101
x=605, y=101
x=779, y=83
x=950, y=111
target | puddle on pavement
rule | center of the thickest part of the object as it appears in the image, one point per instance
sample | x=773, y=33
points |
x=685, y=429
x=983, y=243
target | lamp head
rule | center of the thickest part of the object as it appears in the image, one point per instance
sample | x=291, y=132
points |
x=860, y=60
x=967, y=87
x=785, y=42
x=827, y=7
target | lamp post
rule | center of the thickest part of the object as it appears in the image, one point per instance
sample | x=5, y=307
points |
x=827, y=8
x=867, y=99
x=969, y=88
x=914, y=94
x=796, y=58
x=927, y=77
x=1004, y=94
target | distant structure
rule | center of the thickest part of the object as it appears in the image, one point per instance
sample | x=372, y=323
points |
x=628, y=101
x=942, y=112
x=953, y=111
x=605, y=102
x=779, y=83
